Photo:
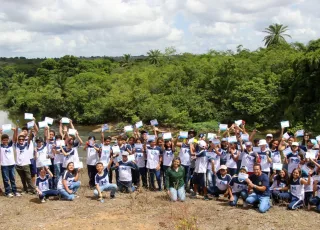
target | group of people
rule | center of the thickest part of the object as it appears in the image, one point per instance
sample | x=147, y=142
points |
x=233, y=164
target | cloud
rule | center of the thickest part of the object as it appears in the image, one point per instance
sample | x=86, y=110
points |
x=37, y=28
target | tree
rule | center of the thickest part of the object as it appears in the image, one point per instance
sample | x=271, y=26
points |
x=276, y=34
x=154, y=56
x=126, y=58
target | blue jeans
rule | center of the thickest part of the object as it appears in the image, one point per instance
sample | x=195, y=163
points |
x=57, y=173
x=143, y=173
x=46, y=194
x=74, y=187
x=243, y=194
x=164, y=169
x=187, y=175
x=152, y=173
x=177, y=193
x=263, y=201
x=295, y=203
x=126, y=186
x=211, y=181
x=276, y=195
x=315, y=201
x=8, y=175
x=107, y=187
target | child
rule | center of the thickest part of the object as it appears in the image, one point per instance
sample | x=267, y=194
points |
x=315, y=200
x=92, y=158
x=23, y=162
x=154, y=159
x=102, y=181
x=58, y=159
x=296, y=188
x=264, y=155
x=106, y=153
x=214, y=154
x=249, y=158
x=7, y=165
x=232, y=158
x=168, y=150
x=201, y=169
x=41, y=153
x=293, y=159
x=280, y=186
x=222, y=181
x=141, y=162
x=42, y=184
x=69, y=183
x=238, y=188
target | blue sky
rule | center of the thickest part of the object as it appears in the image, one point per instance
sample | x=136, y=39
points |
x=43, y=28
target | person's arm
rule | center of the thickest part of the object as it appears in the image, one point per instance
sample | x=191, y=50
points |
x=315, y=188
x=79, y=138
x=99, y=191
x=229, y=190
x=192, y=150
x=159, y=164
x=60, y=130
x=30, y=137
x=15, y=135
x=110, y=162
x=306, y=182
x=49, y=172
x=282, y=145
x=212, y=166
x=260, y=188
x=102, y=135
x=269, y=157
x=316, y=163
x=65, y=185
x=35, y=127
x=63, y=152
x=71, y=124
x=253, y=133
x=235, y=156
x=76, y=178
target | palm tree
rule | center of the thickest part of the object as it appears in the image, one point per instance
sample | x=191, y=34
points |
x=276, y=34
x=154, y=56
x=125, y=60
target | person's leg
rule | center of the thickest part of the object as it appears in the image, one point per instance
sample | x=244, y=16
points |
x=210, y=183
x=173, y=194
x=275, y=195
x=181, y=193
x=151, y=178
x=65, y=195
x=75, y=185
x=295, y=203
x=5, y=178
x=12, y=179
x=22, y=176
x=285, y=195
x=112, y=188
x=314, y=201
x=57, y=174
x=49, y=193
x=158, y=177
x=187, y=175
x=33, y=170
x=30, y=186
x=264, y=203
x=93, y=173
x=143, y=173
x=244, y=195
x=307, y=197
x=252, y=199
x=235, y=199
x=110, y=175
x=164, y=169
x=191, y=170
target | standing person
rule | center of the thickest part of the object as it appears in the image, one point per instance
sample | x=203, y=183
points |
x=297, y=188
x=249, y=158
x=264, y=156
x=42, y=184
x=49, y=135
x=106, y=153
x=69, y=183
x=154, y=158
x=214, y=154
x=238, y=188
x=232, y=158
x=224, y=150
x=102, y=181
x=40, y=153
x=141, y=162
x=199, y=175
x=293, y=159
x=23, y=162
x=275, y=153
x=175, y=181
x=259, y=182
x=315, y=200
x=7, y=165
x=168, y=155
x=92, y=157
x=58, y=159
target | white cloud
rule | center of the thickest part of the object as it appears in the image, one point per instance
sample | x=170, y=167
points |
x=94, y=27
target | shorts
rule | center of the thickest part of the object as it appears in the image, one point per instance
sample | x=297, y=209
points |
x=199, y=179
x=33, y=167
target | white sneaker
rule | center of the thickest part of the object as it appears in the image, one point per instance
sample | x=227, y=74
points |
x=9, y=195
x=17, y=194
x=245, y=205
x=43, y=201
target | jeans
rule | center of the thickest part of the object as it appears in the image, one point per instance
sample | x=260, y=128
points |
x=152, y=173
x=164, y=169
x=276, y=195
x=232, y=171
x=191, y=177
x=217, y=191
x=187, y=174
x=74, y=187
x=107, y=187
x=25, y=175
x=307, y=197
x=315, y=201
x=143, y=173
x=91, y=174
x=263, y=201
x=126, y=186
x=46, y=194
x=57, y=173
x=177, y=193
x=211, y=181
x=8, y=174
x=295, y=203
x=243, y=194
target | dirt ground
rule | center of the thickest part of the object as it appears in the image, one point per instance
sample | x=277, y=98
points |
x=143, y=210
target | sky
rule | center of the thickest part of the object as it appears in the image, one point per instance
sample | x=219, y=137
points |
x=54, y=28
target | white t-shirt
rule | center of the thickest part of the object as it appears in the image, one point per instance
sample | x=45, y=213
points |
x=7, y=155
x=184, y=155
x=105, y=154
x=167, y=157
x=92, y=156
x=22, y=155
x=153, y=157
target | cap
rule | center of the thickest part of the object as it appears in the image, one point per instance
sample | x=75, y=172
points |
x=202, y=144
x=248, y=143
x=201, y=135
x=244, y=167
x=295, y=144
x=224, y=139
x=262, y=142
x=269, y=135
x=223, y=167
x=125, y=153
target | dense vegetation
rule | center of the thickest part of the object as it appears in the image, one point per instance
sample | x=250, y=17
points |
x=262, y=87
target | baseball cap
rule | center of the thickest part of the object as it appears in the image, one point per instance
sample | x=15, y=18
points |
x=202, y=144
x=248, y=143
x=224, y=139
x=269, y=135
x=295, y=144
x=262, y=142
x=125, y=153
x=223, y=167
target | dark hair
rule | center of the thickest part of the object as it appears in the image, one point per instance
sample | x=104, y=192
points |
x=120, y=138
x=165, y=144
x=52, y=131
x=107, y=138
x=58, y=136
x=132, y=138
x=99, y=163
x=278, y=178
x=271, y=143
x=257, y=164
x=311, y=165
x=92, y=137
x=21, y=136
x=42, y=168
x=73, y=171
x=4, y=136
x=24, y=128
x=175, y=159
x=291, y=176
x=159, y=139
x=303, y=140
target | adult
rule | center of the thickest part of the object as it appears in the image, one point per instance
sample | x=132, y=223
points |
x=175, y=181
x=259, y=182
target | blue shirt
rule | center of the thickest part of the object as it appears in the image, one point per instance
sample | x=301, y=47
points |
x=262, y=180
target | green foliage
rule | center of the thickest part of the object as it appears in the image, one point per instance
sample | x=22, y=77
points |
x=185, y=91
x=276, y=34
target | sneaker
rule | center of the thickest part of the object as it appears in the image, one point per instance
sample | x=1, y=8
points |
x=43, y=200
x=245, y=205
x=206, y=198
x=193, y=196
x=17, y=194
x=76, y=196
x=9, y=195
